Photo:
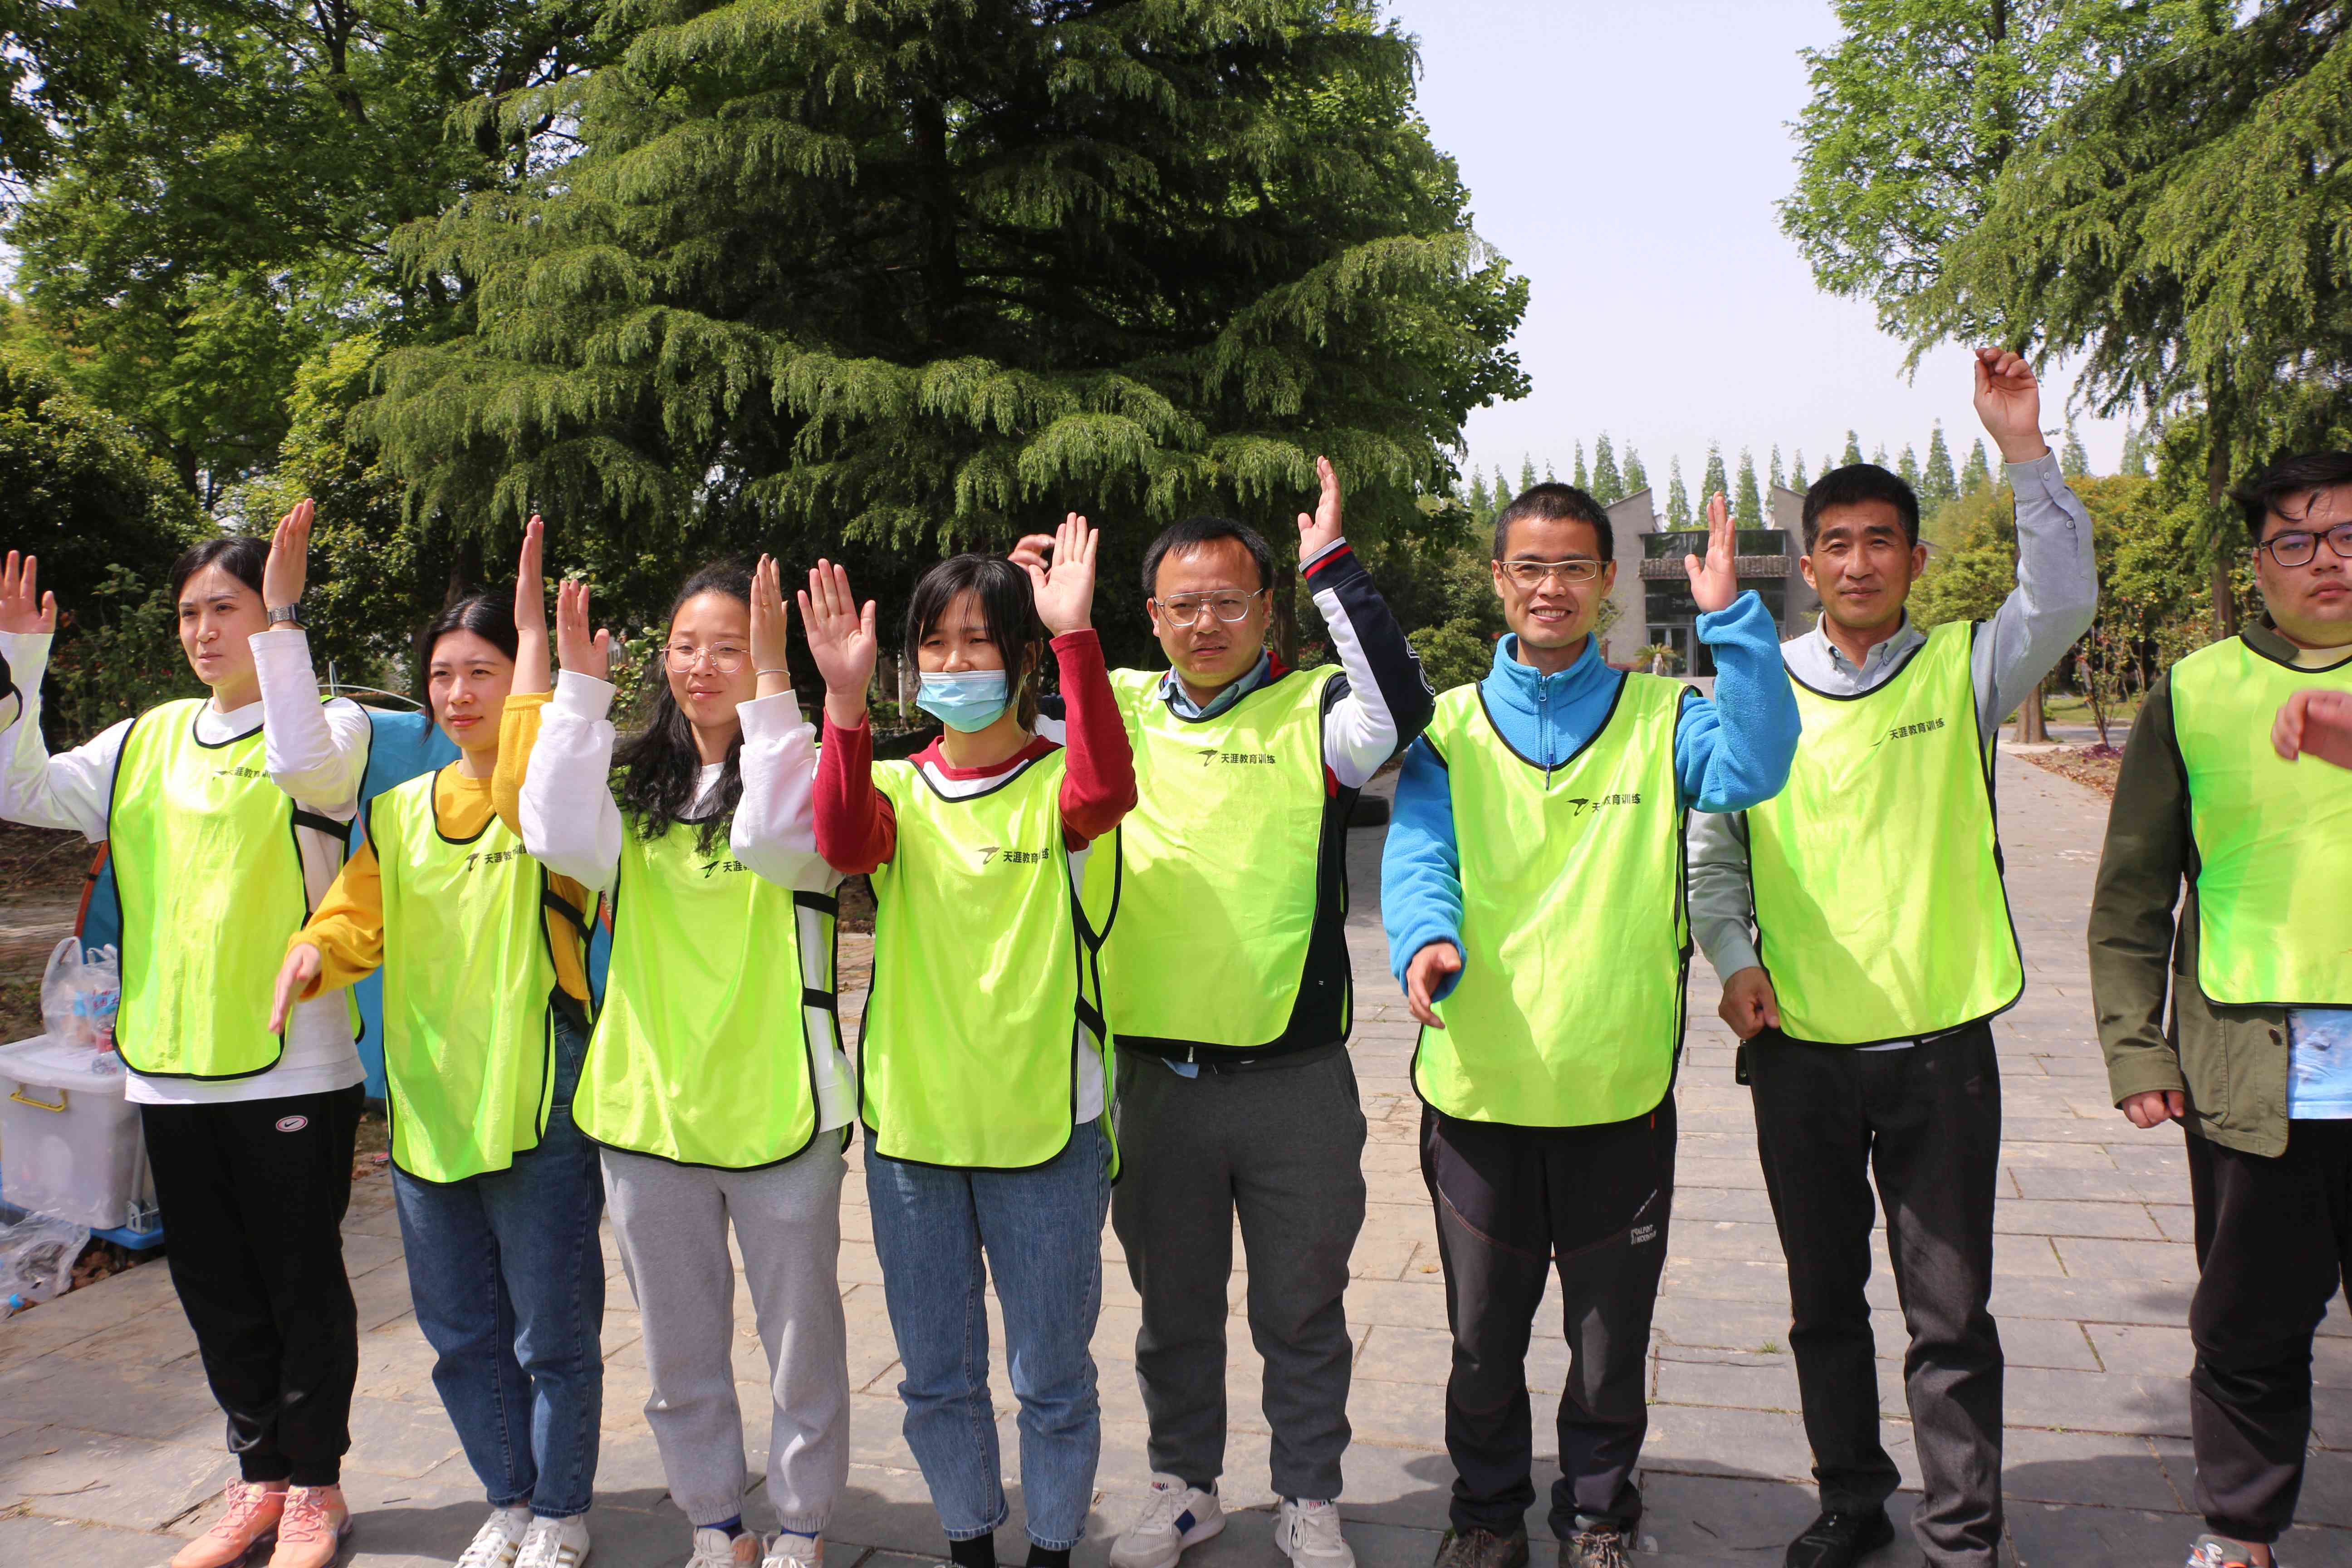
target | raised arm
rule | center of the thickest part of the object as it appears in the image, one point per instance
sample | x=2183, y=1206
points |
x=565, y=806
x=317, y=752
x=69, y=790
x=856, y=828
x=774, y=830
x=1388, y=700
x=2057, y=591
x=1734, y=751
x=1099, y=787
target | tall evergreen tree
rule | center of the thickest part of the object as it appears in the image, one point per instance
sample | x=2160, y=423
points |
x=1747, y=503
x=1527, y=478
x=1678, y=503
x=1482, y=505
x=1908, y=467
x=1637, y=477
x=1937, y=484
x=2072, y=460
x=1779, y=477
x=1583, y=478
x=1878, y=455
x=1716, y=482
x=1797, y=480
x=1608, y=484
x=2136, y=452
x=1976, y=474
x=920, y=274
x=1853, y=450
x=1502, y=492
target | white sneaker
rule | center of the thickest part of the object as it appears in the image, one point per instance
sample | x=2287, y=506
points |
x=1175, y=1516
x=555, y=1543
x=500, y=1539
x=717, y=1549
x=1309, y=1534
x=791, y=1551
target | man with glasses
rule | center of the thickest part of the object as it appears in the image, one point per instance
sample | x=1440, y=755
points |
x=1227, y=989
x=1532, y=892
x=1861, y=928
x=2253, y=1055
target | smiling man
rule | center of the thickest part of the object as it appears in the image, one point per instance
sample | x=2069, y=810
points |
x=1882, y=950
x=1532, y=892
x=2254, y=1053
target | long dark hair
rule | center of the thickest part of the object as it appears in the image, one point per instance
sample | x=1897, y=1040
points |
x=242, y=556
x=660, y=765
x=1008, y=607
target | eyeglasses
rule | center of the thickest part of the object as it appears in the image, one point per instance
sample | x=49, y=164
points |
x=1229, y=606
x=1535, y=573
x=2296, y=548
x=725, y=658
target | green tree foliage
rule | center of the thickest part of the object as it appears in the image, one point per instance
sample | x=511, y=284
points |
x=1748, y=501
x=1580, y=476
x=1457, y=653
x=1482, y=506
x=1796, y=480
x=1878, y=455
x=1914, y=113
x=223, y=178
x=1678, y=503
x=2072, y=460
x=1608, y=484
x=1716, y=482
x=1778, y=477
x=1852, y=454
x=919, y=275
x=1937, y=484
x=1976, y=475
x=106, y=519
x=2136, y=446
x=1637, y=477
x=1528, y=479
x=1502, y=492
x=1907, y=467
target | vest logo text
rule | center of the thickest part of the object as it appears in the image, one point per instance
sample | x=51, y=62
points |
x=1905, y=732
x=725, y=863
x=239, y=774
x=1578, y=804
x=1211, y=757
x=1012, y=856
x=492, y=857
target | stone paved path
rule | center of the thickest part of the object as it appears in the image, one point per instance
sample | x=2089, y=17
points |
x=108, y=1445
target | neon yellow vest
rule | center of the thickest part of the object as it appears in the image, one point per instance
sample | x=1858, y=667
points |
x=705, y=1051
x=209, y=873
x=2274, y=897
x=1217, y=869
x=469, y=1041
x=1574, y=944
x=1880, y=910
x=983, y=991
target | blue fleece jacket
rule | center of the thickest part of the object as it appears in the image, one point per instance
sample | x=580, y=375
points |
x=1729, y=754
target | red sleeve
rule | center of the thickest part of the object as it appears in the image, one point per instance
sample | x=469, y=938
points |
x=856, y=828
x=1099, y=787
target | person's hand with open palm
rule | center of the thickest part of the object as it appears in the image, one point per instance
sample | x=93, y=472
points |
x=1064, y=591
x=841, y=641
x=579, y=649
x=1715, y=584
x=25, y=610
x=289, y=566
x=532, y=672
x=768, y=620
x=1322, y=529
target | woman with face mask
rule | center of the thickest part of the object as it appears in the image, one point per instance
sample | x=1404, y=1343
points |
x=714, y=1081
x=484, y=1022
x=225, y=817
x=981, y=1066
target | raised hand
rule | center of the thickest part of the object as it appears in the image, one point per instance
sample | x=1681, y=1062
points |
x=841, y=640
x=2316, y=722
x=1032, y=550
x=578, y=650
x=1321, y=531
x=532, y=672
x=296, y=976
x=289, y=557
x=1066, y=591
x=769, y=618
x=1431, y=964
x=24, y=609
x=2009, y=400
x=1715, y=584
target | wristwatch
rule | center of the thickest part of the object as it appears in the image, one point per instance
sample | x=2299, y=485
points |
x=286, y=616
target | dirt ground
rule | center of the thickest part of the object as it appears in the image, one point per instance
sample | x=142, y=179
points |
x=2093, y=765
x=41, y=875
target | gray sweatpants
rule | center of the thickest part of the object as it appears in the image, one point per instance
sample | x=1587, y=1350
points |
x=1282, y=1145
x=671, y=1222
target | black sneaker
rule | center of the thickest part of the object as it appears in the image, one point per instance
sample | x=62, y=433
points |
x=1841, y=1539
x=1482, y=1549
x=1602, y=1546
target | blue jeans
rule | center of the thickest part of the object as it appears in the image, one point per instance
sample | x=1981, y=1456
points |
x=508, y=1281
x=1041, y=1231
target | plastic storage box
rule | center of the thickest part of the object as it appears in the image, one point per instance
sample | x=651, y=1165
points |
x=69, y=1144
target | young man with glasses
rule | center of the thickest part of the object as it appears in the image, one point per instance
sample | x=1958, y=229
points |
x=1861, y=928
x=2253, y=1056
x=1532, y=892
x=1227, y=989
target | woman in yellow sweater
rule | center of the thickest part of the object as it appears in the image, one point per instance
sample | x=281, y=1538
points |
x=485, y=1020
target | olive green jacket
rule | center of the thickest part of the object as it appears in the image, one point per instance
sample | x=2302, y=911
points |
x=2230, y=1061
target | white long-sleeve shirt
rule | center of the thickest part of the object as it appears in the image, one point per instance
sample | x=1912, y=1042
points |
x=315, y=752
x=572, y=824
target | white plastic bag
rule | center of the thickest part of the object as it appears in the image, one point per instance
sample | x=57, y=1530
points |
x=78, y=993
x=36, y=1259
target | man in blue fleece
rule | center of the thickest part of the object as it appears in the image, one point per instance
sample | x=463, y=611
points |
x=1532, y=892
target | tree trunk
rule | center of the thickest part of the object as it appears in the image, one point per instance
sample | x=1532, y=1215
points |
x=2031, y=730
x=1285, y=614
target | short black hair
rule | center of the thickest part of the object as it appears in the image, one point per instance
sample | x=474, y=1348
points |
x=1008, y=606
x=1194, y=532
x=1552, y=502
x=1852, y=485
x=488, y=616
x=2259, y=499
x=240, y=555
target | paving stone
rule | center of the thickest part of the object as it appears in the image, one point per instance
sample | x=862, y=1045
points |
x=32, y=1538
x=127, y=1483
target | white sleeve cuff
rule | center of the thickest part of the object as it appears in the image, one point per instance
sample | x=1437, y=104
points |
x=581, y=696
x=769, y=718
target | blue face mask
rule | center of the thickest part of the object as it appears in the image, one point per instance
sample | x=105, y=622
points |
x=971, y=701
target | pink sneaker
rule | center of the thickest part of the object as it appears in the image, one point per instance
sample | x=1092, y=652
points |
x=250, y=1522
x=311, y=1531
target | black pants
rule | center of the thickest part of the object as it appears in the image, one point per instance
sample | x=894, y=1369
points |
x=1511, y=1201
x=1926, y=1120
x=253, y=1195
x=2274, y=1238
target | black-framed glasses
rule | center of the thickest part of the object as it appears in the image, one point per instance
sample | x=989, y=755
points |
x=1229, y=606
x=2297, y=547
x=1535, y=573
x=725, y=658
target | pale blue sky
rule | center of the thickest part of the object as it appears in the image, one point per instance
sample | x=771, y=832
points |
x=1627, y=158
